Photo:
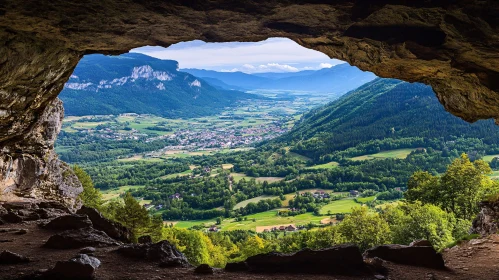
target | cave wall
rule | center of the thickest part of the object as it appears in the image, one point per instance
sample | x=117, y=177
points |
x=453, y=45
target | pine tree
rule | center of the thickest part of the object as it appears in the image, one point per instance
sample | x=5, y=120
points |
x=90, y=196
x=132, y=215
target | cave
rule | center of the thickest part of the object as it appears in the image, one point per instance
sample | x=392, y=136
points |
x=451, y=45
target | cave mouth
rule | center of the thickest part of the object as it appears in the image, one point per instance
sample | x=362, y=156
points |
x=177, y=160
x=454, y=51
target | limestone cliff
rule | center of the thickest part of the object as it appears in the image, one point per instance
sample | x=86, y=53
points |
x=451, y=45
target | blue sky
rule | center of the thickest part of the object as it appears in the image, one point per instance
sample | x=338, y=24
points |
x=271, y=55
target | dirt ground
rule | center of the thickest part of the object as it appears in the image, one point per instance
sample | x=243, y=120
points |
x=476, y=259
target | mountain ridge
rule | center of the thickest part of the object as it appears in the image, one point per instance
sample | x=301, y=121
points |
x=136, y=83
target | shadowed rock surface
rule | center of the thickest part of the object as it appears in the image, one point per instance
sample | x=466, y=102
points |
x=69, y=222
x=487, y=221
x=112, y=229
x=451, y=45
x=340, y=259
x=425, y=256
x=81, y=267
x=79, y=238
x=8, y=257
x=163, y=252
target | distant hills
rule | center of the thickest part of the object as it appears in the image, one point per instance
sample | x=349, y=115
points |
x=381, y=109
x=136, y=83
x=338, y=79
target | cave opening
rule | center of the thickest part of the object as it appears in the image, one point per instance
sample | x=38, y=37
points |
x=449, y=45
x=261, y=143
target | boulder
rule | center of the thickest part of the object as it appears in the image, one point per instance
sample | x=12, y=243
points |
x=235, y=267
x=53, y=205
x=341, y=259
x=421, y=243
x=112, y=229
x=163, y=252
x=424, y=256
x=87, y=250
x=50, y=213
x=145, y=239
x=12, y=218
x=203, y=269
x=487, y=220
x=80, y=267
x=78, y=238
x=8, y=257
x=68, y=222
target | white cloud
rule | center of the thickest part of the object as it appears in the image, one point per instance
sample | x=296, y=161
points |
x=274, y=54
x=325, y=65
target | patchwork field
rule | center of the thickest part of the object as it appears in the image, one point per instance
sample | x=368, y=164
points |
x=365, y=199
x=489, y=158
x=399, y=153
x=339, y=206
x=329, y=165
x=254, y=200
x=115, y=193
x=264, y=219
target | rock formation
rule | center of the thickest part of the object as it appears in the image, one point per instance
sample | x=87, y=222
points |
x=449, y=44
x=487, y=221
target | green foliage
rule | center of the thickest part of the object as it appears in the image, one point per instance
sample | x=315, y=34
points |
x=132, y=215
x=365, y=229
x=90, y=196
x=458, y=190
x=414, y=221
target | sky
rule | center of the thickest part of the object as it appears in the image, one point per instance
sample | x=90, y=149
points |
x=272, y=55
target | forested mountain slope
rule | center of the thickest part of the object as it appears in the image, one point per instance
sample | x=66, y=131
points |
x=381, y=109
x=136, y=83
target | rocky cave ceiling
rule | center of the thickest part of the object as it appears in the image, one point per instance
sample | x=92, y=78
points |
x=452, y=45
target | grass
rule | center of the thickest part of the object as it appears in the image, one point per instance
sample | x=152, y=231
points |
x=399, y=153
x=365, y=199
x=329, y=165
x=269, y=179
x=238, y=176
x=299, y=157
x=489, y=158
x=254, y=199
x=339, y=206
x=467, y=237
x=115, y=193
x=174, y=175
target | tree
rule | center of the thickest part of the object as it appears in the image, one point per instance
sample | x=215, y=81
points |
x=458, y=190
x=155, y=228
x=132, y=215
x=364, y=229
x=90, y=196
x=413, y=221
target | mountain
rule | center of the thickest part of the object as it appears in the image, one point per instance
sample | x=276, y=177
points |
x=238, y=79
x=382, y=109
x=338, y=79
x=136, y=83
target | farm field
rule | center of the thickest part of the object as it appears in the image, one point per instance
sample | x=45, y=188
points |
x=254, y=200
x=329, y=165
x=115, y=193
x=399, y=153
x=269, y=179
x=489, y=158
x=339, y=206
x=268, y=218
x=181, y=174
x=365, y=199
